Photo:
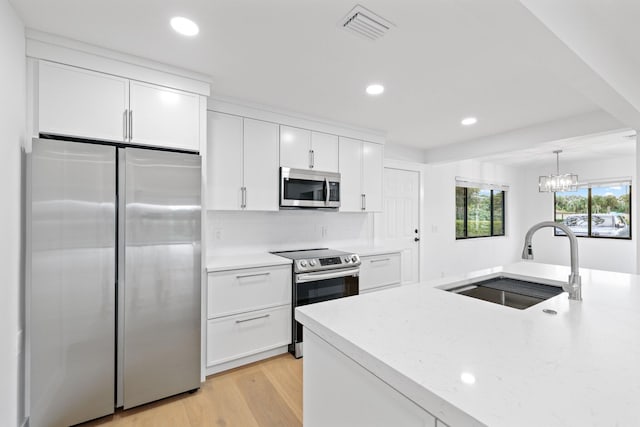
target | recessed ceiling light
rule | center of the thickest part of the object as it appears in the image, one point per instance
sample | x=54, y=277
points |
x=184, y=26
x=375, y=89
x=468, y=121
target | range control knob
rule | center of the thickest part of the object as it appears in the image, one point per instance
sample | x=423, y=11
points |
x=303, y=263
x=347, y=259
x=312, y=262
x=354, y=258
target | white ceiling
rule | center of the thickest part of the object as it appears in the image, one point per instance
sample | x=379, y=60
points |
x=592, y=147
x=445, y=60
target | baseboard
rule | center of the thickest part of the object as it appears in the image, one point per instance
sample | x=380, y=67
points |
x=246, y=360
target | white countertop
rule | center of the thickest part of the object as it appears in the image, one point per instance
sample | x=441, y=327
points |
x=579, y=368
x=251, y=260
x=265, y=259
x=370, y=250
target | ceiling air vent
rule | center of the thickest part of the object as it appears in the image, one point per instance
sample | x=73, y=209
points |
x=364, y=23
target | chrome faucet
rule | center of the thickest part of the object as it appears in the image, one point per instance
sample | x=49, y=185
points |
x=574, y=284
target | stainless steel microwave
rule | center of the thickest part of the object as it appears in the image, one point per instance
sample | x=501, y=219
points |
x=301, y=188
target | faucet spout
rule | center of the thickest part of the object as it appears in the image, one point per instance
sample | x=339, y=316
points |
x=574, y=283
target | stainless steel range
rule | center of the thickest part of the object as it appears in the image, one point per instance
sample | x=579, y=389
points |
x=319, y=275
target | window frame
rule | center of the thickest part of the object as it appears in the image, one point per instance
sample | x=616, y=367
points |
x=589, y=213
x=491, y=211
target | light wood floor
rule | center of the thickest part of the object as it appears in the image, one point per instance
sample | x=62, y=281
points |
x=264, y=394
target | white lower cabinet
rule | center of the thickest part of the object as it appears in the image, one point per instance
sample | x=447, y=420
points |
x=238, y=291
x=248, y=315
x=379, y=272
x=235, y=337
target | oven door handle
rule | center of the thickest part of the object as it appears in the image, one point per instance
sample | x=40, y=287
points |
x=313, y=277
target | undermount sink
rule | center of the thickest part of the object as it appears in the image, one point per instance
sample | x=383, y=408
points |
x=509, y=292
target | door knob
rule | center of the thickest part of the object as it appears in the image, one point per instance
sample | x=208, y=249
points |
x=416, y=239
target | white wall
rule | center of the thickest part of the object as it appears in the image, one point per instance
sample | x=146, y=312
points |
x=235, y=233
x=443, y=254
x=12, y=131
x=404, y=152
x=603, y=254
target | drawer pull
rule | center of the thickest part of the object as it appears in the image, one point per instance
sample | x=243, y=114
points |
x=381, y=260
x=242, y=276
x=264, y=316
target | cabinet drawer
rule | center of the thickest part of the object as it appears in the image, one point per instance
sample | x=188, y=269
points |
x=233, y=337
x=237, y=291
x=379, y=270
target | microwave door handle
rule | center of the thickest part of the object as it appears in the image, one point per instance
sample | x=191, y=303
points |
x=327, y=193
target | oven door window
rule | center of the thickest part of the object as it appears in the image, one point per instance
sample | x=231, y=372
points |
x=325, y=290
x=304, y=189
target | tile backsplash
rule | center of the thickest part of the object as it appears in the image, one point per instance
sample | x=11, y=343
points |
x=234, y=233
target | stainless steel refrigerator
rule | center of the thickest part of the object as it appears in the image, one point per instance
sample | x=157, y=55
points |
x=113, y=278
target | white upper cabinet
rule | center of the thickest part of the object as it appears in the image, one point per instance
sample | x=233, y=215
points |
x=242, y=165
x=360, y=176
x=224, y=161
x=77, y=102
x=304, y=149
x=295, y=148
x=350, y=175
x=80, y=103
x=325, y=152
x=261, y=174
x=372, y=165
x=164, y=117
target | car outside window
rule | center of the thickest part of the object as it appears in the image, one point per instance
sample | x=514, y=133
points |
x=602, y=211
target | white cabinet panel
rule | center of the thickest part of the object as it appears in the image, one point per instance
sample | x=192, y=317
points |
x=350, y=175
x=164, y=117
x=295, y=146
x=236, y=291
x=224, y=161
x=81, y=103
x=441, y=424
x=325, y=152
x=233, y=337
x=261, y=173
x=372, y=158
x=361, y=399
x=380, y=270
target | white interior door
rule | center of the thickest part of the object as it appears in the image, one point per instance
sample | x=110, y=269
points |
x=400, y=218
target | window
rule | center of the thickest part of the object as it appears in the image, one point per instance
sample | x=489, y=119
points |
x=596, y=210
x=479, y=212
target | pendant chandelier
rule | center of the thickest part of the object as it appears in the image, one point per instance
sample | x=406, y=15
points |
x=554, y=183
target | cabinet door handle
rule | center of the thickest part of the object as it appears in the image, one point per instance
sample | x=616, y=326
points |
x=380, y=260
x=130, y=125
x=242, y=276
x=310, y=159
x=363, y=202
x=253, y=318
x=125, y=124
x=243, y=201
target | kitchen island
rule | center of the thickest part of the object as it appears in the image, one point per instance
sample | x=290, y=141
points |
x=419, y=355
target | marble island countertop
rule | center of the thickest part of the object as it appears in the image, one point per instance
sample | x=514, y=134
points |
x=471, y=362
